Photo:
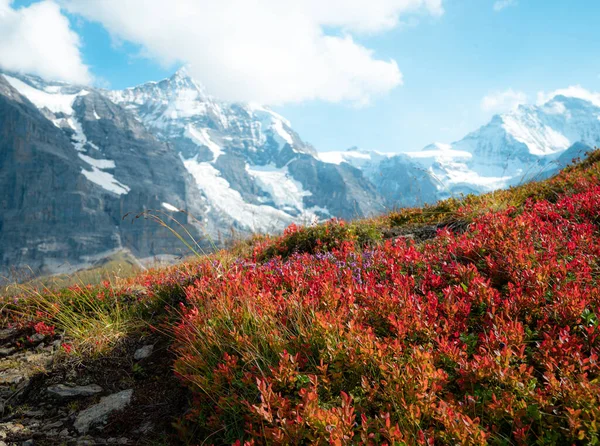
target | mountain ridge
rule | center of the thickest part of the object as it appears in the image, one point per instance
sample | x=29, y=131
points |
x=103, y=162
x=169, y=146
x=518, y=146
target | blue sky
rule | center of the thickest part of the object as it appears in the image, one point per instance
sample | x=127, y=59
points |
x=449, y=62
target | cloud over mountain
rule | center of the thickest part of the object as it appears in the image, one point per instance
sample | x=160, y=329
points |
x=266, y=51
x=573, y=91
x=502, y=101
x=38, y=39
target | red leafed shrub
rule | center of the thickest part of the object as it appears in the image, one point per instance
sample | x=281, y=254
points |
x=317, y=239
x=43, y=328
x=489, y=336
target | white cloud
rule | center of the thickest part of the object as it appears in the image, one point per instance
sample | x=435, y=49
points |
x=268, y=51
x=574, y=91
x=499, y=5
x=38, y=40
x=364, y=15
x=502, y=101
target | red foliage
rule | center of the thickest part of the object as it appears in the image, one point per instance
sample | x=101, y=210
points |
x=43, y=328
x=489, y=335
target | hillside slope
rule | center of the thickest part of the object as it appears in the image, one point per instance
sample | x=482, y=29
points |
x=466, y=322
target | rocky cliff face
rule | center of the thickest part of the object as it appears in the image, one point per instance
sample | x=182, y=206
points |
x=72, y=164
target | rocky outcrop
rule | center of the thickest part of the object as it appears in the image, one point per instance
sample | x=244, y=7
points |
x=49, y=398
x=63, y=391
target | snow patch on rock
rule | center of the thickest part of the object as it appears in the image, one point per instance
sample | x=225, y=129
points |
x=280, y=134
x=170, y=207
x=51, y=99
x=355, y=157
x=201, y=137
x=540, y=139
x=257, y=218
x=98, y=176
x=285, y=192
x=105, y=180
x=100, y=164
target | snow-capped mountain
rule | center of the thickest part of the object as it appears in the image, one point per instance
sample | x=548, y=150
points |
x=253, y=170
x=72, y=164
x=527, y=141
x=399, y=179
x=179, y=107
x=518, y=146
x=74, y=160
x=531, y=142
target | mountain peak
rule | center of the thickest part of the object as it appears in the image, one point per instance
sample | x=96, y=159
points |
x=182, y=73
x=437, y=146
x=183, y=80
x=570, y=93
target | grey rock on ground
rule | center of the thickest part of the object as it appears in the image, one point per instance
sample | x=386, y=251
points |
x=63, y=391
x=99, y=412
x=143, y=352
x=6, y=351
